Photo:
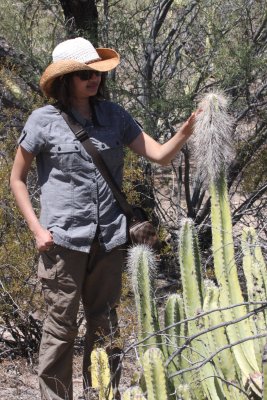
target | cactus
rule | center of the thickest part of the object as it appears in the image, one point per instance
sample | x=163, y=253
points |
x=155, y=374
x=184, y=392
x=142, y=264
x=133, y=393
x=264, y=369
x=226, y=273
x=213, y=132
x=254, y=266
x=175, y=336
x=237, y=366
x=193, y=302
x=191, y=269
x=217, y=339
x=255, y=272
x=101, y=374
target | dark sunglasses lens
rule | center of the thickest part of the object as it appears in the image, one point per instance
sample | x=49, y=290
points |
x=85, y=75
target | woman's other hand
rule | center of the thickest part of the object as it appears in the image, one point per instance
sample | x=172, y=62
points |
x=44, y=239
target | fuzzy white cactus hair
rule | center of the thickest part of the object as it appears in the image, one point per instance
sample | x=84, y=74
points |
x=212, y=139
x=137, y=254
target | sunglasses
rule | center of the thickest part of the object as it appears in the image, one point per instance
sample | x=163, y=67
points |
x=86, y=75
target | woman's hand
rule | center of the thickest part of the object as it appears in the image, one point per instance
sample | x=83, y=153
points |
x=188, y=127
x=43, y=239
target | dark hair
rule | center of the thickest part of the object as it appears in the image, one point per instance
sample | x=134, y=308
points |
x=61, y=90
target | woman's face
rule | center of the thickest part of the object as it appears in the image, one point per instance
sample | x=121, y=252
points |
x=85, y=83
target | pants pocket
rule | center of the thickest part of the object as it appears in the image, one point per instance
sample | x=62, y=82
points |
x=47, y=273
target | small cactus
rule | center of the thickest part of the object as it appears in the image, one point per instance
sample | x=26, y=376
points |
x=133, y=393
x=155, y=374
x=142, y=265
x=101, y=374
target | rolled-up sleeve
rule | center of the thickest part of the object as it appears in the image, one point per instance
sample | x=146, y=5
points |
x=131, y=128
x=32, y=138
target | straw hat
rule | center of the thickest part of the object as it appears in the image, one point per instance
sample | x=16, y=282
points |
x=76, y=55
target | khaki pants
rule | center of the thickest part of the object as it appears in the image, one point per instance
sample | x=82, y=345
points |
x=68, y=276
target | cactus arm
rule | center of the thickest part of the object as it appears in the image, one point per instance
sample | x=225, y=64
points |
x=190, y=269
x=224, y=361
x=254, y=266
x=175, y=336
x=101, y=374
x=255, y=283
x=155, y=376
x=218, y=338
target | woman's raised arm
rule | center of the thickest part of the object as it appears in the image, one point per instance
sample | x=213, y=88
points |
x=146, y=146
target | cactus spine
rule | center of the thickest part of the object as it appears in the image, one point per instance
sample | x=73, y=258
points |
x=101, y=374
x=142, y=264
x=155, y=376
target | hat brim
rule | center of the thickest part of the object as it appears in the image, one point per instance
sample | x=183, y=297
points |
x=109, y=60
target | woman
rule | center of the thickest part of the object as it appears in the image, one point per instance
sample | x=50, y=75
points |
x=81, y=230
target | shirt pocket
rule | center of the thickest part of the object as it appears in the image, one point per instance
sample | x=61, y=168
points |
x=111, y=150
x=68, y=156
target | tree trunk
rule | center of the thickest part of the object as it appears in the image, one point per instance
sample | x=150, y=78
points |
x=81, y=18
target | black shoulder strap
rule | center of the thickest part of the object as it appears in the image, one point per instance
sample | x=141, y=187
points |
x=82, y=136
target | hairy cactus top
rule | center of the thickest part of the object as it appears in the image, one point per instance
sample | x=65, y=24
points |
x=212, y=139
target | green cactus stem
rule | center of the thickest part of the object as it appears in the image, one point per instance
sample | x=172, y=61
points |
x=217, y=339
x=255, y=273
x=264, y=372
x=213, y=139
x=190, y=263
x=254, y=266
x=101, y=374
x=175, y=335
x=184, y=392
x=142, y=265
x=226, y=274
x=155, y=375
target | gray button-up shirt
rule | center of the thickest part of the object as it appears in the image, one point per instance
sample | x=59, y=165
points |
x=75, y=199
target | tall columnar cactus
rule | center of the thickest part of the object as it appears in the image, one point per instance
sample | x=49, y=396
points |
x=213, y=143
x=142, y=265
x=190, y=264
x=155, y=375
x=101, y=374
